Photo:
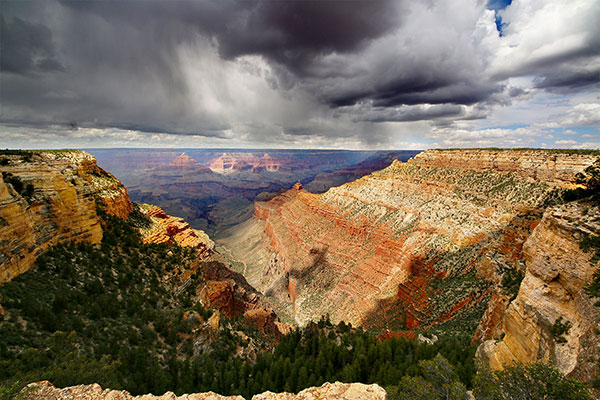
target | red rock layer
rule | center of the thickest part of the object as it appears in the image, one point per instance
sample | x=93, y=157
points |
x=390, y=250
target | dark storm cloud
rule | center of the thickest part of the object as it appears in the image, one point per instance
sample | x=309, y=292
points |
x=27, y=47
x=258, y=69
x=122, y=60
x=294, y=33
x=562, y=80
x=408, y=114
x=415, y=92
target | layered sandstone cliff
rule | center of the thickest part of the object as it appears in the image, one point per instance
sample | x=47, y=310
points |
x=328, y=391
x=50, y=197
x=552, y=294
x=165, y=228
x=416, y=244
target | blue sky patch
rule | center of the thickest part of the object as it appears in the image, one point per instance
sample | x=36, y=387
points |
x=498, y=5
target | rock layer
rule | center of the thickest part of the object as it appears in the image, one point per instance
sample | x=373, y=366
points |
x=168, y=229
x=557, y=271
x=415, y=244
x=66, y=187
x=328, y=391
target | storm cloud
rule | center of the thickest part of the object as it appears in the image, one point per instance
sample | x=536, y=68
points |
x=294, y=72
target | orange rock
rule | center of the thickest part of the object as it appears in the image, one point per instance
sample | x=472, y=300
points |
x=171, y=230
x=68, y=185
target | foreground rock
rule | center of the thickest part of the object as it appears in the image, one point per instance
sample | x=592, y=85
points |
x=328, y=391
x=46, y=391
x=331, y=391
x=50, y=197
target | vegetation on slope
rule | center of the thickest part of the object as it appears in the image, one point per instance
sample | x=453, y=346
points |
x=110, y=314
x=116, y=314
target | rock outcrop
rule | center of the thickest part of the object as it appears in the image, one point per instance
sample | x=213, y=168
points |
x=419, y=243
x=551, y=291
x=46, y=391
x=183, y=162
x=230, y=294
x=328, y=391
x=50, y=197
x=168, y=229
x=331, y=391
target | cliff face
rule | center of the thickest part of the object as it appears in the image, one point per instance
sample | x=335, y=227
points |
x=168, y=229
x=415, y=244
x=328, y=391
x=50, y=197
x=557, y=271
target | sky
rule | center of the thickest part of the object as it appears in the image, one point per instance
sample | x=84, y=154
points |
x=345, y=74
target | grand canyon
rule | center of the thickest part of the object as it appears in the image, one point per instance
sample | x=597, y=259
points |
x=300, y=200
x=481, y=243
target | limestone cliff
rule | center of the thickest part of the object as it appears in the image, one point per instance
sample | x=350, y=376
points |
x=421, y=243
x=557, y=271
x=49, y=197
x=328, y=391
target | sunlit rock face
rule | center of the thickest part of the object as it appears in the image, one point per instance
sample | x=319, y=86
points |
x=165, y=228
x=328, y=391
x=416, y=244
x=557, y=272
x=66, y=187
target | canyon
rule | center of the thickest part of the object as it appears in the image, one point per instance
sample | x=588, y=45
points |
x=426, y=244
x=214, y=189
x=480, y=242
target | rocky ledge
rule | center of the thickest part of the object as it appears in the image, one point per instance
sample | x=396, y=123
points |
x=328, y=391
x=50, y=197
x=173, y=230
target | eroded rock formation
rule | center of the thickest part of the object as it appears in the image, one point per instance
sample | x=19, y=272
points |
x=46, y=391
x=328, y=391
x=168, y=229
x=50, y=197
x=416, y=244
x=235, y=162
x=552, y=290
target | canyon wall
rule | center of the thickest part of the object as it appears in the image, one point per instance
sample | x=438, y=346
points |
x=50, y=197
x=552, y=294
x=418, y=244
x=328, y=391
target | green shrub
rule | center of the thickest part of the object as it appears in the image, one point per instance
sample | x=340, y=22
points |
x=535, y=381
x=559, y=330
